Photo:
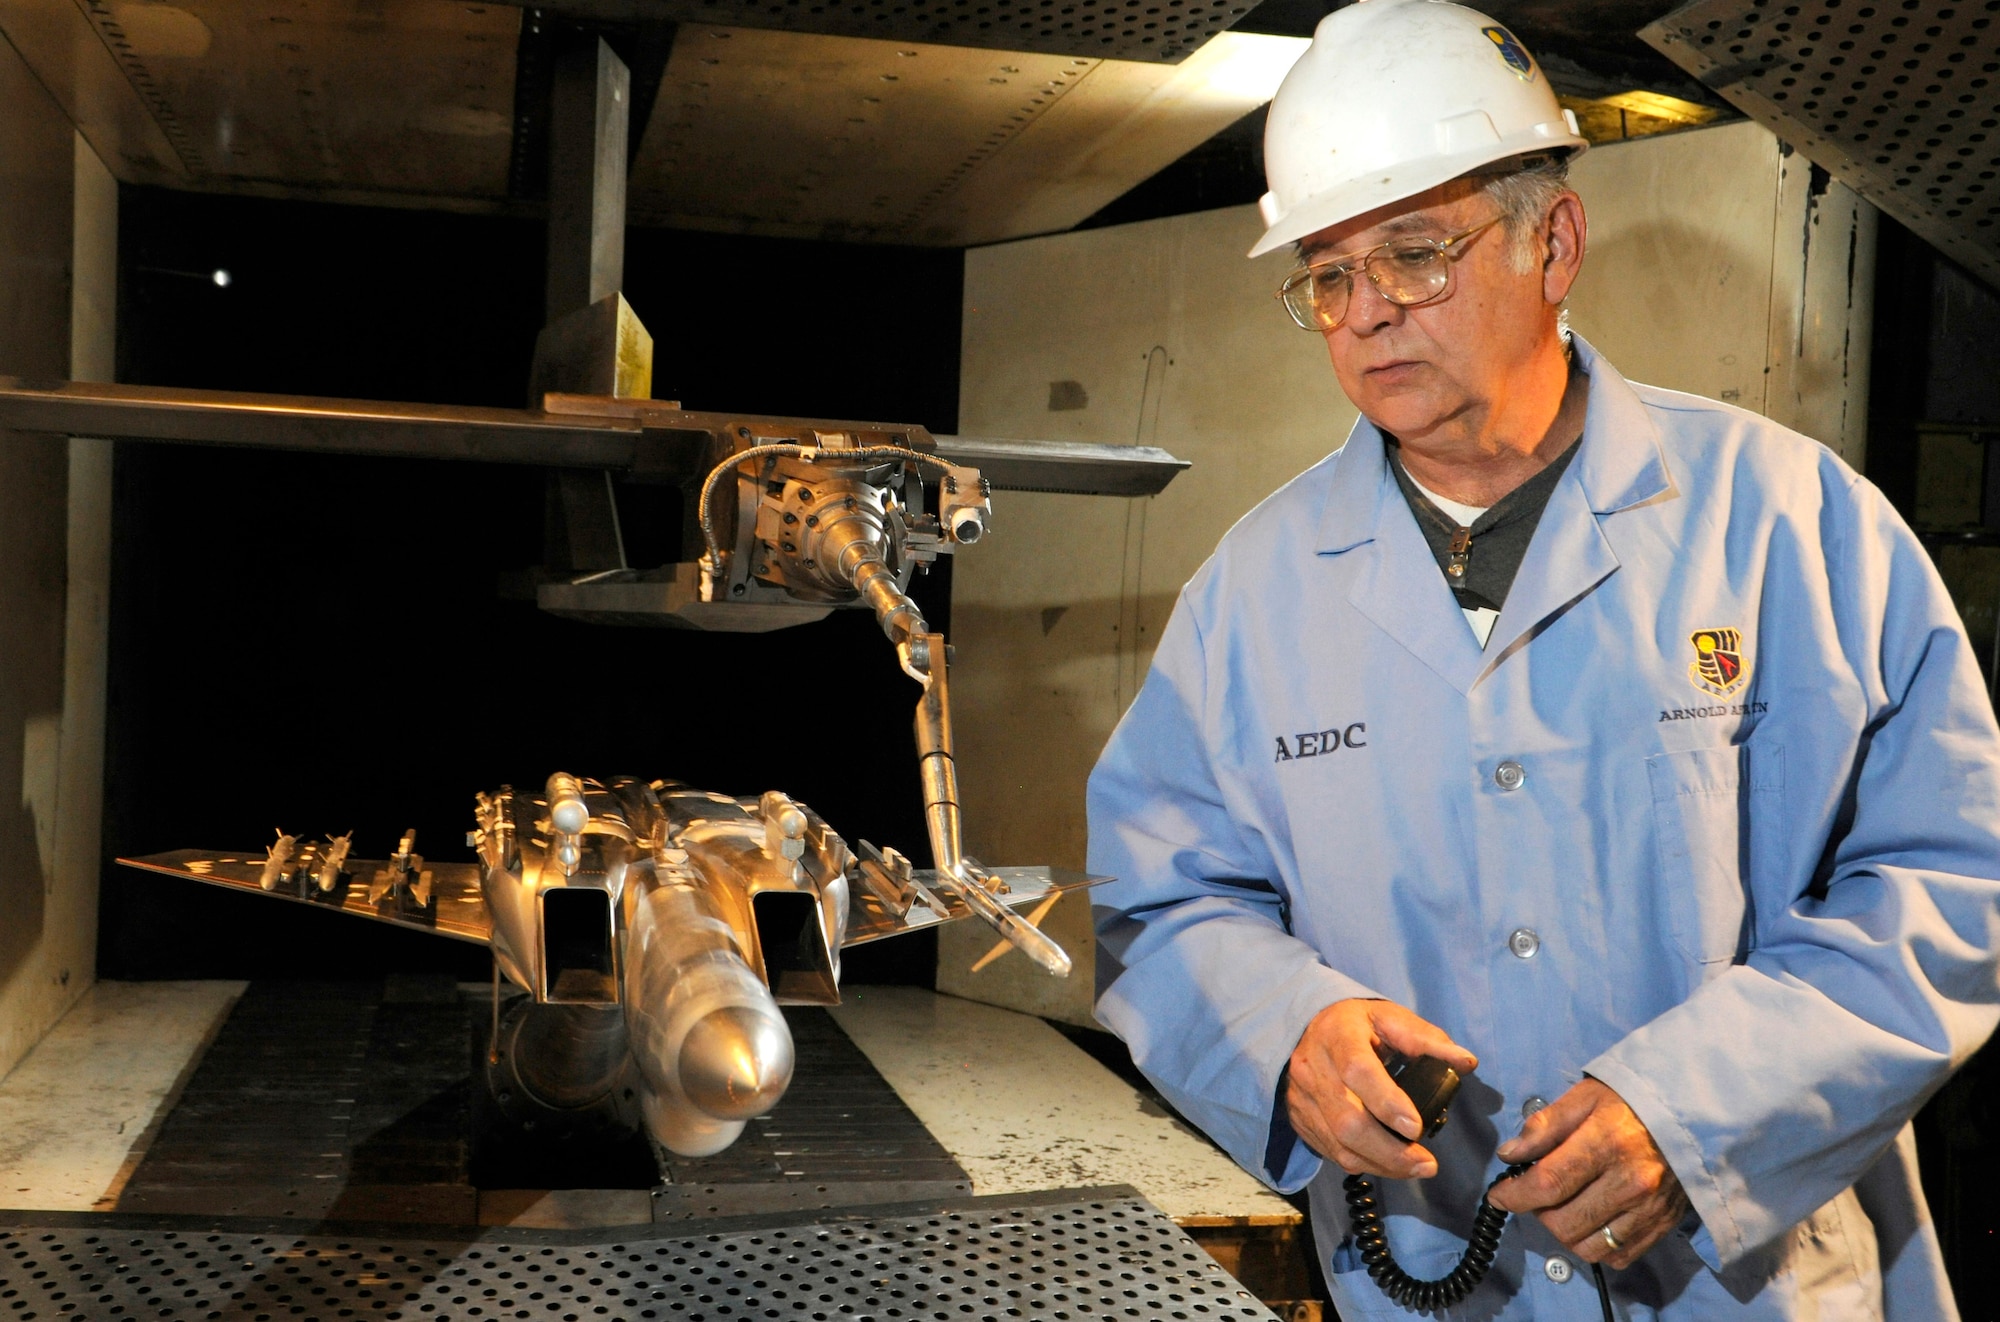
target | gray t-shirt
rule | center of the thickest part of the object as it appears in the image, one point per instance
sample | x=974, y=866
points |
x=1480, y=562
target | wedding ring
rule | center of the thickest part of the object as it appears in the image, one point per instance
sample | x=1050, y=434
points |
x=1610, y=1240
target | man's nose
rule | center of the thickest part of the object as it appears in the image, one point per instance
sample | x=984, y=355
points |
x=1367, y=311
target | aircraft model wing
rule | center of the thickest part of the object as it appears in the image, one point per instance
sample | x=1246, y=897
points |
x=870, y=917
x=454, y=909
x=457, y=909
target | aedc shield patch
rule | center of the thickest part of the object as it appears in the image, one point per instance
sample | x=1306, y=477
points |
x=1719, y=666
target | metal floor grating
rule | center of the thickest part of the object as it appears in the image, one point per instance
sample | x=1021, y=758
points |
x=341, y=1100
x=1076, y=1254
x=1896, y=98
x=349, y=1102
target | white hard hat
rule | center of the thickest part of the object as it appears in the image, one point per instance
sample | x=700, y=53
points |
x=1394, y=97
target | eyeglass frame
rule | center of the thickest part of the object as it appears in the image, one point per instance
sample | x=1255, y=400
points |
x=1352, y=263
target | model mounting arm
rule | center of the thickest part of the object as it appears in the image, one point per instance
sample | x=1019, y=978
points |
x=829, y=522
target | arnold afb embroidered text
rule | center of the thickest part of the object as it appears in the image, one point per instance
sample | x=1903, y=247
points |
x=1700, y=713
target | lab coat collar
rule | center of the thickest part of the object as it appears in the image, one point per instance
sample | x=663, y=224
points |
x=1619, y=465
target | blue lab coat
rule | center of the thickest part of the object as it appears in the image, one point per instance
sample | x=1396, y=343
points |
x=1714, y=818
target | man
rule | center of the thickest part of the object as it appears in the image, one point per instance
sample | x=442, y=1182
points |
x=1622, y=738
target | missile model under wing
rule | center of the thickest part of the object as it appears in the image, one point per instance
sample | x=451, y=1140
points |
x=655, y=928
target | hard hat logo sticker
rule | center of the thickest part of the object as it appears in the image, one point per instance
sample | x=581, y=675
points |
x=1513, y=52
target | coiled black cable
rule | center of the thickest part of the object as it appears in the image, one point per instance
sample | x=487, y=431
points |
x=1398, y=1284
x=1460, y=1281
x=1430, y=1085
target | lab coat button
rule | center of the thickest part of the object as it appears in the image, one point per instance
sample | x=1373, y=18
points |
x=1509, y=775
x=1524, y=942
x=1532, y=1105
x=1558, y=1270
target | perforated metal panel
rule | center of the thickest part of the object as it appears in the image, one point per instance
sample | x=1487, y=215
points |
x=1054, y=1256
x=1107, y=29
x=1896, y=98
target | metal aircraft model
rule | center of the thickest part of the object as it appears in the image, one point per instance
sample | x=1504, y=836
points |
x=656, y=928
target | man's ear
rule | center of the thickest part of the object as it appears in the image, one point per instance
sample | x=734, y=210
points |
x=1564, y=232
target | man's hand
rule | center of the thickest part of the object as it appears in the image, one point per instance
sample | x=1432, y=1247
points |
x=1595, y=1166
x=1338, y=1096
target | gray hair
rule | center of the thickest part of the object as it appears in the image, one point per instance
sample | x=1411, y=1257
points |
x=1525, y=194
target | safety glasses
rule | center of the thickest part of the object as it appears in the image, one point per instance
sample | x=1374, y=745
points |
x=1405, y=271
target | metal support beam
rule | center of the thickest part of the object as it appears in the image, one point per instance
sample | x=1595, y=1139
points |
x=589, y=123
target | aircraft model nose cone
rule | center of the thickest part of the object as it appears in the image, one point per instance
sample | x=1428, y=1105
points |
x=736, y=1062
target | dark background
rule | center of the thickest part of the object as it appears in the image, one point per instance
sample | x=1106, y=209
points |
x=319, y=643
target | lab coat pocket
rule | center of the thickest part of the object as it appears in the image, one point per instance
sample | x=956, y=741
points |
x=1702, y=800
